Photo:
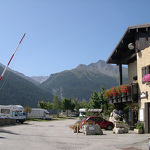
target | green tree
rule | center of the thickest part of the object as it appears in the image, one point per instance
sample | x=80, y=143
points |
x=56, y=104
x=49, y=106
x=27, y=110
x=84, y=104
x=44, y=105
x=67, y=104
x=77, y=104
x=107, y=108
x=95, y=102
x=98, y=100
x=103, y=100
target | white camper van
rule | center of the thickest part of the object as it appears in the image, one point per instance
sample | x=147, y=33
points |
x=82, y=112
x=15, y=111
x=38, y=113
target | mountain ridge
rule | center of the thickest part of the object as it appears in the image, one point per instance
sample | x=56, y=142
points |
x=102, y=67
x=82, y=80
x=16, y=90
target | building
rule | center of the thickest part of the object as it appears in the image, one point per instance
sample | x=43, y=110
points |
x=133, y=50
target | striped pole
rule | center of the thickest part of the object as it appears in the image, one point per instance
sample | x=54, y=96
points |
x=11, y=58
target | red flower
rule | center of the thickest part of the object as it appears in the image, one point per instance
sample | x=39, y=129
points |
x=108, y=93
x=114, y=91
x=124, y=88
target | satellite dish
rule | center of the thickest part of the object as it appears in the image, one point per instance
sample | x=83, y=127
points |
x=131, y=46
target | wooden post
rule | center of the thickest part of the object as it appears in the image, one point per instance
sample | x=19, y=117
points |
x=120, y=73
x=77, y=129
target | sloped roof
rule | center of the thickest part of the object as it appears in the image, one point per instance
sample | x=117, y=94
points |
x=121, y=53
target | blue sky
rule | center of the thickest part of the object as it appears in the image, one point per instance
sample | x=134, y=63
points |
x=61, y=34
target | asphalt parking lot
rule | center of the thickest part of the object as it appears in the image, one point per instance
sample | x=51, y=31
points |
x=56, y=135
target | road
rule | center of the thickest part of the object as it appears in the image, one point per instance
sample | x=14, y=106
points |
x=56, y=135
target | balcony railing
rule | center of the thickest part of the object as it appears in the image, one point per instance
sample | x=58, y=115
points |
x=131, y=96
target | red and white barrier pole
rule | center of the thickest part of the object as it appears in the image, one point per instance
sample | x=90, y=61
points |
x=11, y=58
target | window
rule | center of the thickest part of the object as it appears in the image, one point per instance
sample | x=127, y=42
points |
x=145, y=70
x=99, y=119
x=148, y=69
x=5, y=111
x=92, y=118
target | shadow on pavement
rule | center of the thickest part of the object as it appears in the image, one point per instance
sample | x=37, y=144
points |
x=9, y=132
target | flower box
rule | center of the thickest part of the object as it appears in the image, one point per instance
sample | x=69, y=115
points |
x=139, y=127
x=138, y=131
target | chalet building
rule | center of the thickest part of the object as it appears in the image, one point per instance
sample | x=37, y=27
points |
x=133, y=50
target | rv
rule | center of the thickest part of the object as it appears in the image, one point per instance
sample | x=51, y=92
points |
x=38, y=113
x=71, y=113
x=82, y=112
x=14, y=111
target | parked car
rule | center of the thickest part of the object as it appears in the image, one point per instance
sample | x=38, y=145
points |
x=103, y=123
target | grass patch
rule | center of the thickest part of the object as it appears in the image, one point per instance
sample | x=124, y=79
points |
x=54, y=117
x=33, y=119
x=61, y=117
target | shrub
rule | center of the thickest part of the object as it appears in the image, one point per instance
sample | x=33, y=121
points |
x=108, y=93
x=140, y=125
x=74, y=126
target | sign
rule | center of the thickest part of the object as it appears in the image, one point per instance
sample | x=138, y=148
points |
x=91, y=128
x=144, y=95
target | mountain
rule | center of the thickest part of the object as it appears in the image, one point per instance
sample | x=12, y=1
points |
x=101, y=66
x=21, y=75
x=16, y=90
x=83, y=80
x=39, y=79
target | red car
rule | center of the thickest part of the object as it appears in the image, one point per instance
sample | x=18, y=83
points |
x=104, y=124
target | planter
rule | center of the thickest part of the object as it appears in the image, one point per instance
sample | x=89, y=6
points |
x=120, y=125
x=138, y=131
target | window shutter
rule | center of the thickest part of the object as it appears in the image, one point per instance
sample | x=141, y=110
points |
x=143, y=72
x=148, y=69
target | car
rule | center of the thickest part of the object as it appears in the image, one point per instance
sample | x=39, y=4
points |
x=103, y=123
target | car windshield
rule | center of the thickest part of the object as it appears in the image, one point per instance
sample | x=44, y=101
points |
x=83, y=119
x=19, y=113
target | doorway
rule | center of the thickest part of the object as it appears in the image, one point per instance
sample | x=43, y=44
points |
x=147, y=117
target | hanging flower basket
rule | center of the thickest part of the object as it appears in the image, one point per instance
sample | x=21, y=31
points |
x=108, y=93
x=124, y=88
x=114, y=91
x=146, y=78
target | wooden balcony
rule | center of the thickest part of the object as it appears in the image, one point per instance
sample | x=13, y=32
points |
x=131, y=96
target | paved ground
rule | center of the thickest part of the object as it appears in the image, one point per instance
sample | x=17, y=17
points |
x=56, y=135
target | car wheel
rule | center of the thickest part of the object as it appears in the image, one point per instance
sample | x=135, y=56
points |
x=109, y=127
